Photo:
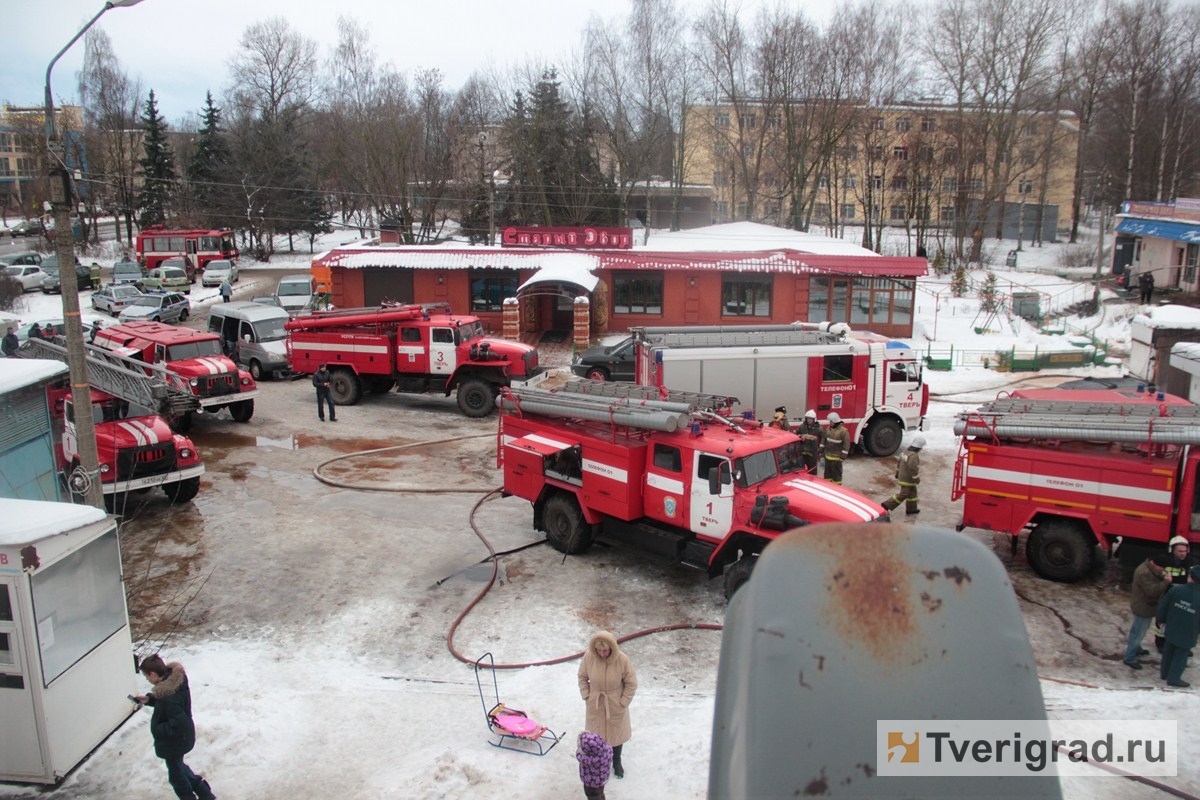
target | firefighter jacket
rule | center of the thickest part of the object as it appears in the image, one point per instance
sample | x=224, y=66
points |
x=1180, y=610
x=908, y=467
x=812, y=437
x=1147, y=589
x=837, y=443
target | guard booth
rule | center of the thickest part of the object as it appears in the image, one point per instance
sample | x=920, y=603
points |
x=66, y=656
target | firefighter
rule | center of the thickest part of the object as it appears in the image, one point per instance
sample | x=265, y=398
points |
x=908, y=475
x=1176, y=563
x=812, y=441
x=780, y=419
x=1179, y=610
x=837, y=448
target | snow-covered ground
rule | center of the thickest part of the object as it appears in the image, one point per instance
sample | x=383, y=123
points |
x=332, y=711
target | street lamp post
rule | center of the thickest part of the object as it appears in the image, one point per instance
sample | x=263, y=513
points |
x=61, y=196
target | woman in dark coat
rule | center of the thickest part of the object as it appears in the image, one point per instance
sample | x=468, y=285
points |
x=171, y=725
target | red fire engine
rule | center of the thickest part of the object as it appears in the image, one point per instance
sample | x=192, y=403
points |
x=414, y=348
x=138, y=452
x=648, y=468
x=189, y=358
x=155, y=244
x=875, y=384
x=1077, y=468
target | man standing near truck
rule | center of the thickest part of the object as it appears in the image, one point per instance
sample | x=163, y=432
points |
x=1177, y=563
x=812, y=441
x=321, y=380
x=837, y=448
x=908, y=475
x=1150, y=583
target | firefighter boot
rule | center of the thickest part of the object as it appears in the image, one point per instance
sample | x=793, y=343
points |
x=911, y=508
x=891, y=503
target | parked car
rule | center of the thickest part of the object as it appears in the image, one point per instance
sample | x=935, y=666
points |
x=21, y=258
x=30, y=276
x=168, y=307
x=184, y=264
x=266, y=300
x=127, y=272
x=52, y=282
x=219, y=271
x=612, y=363
x=115, y=297
x=166, y=279
x=27, y=227
x=295, y=292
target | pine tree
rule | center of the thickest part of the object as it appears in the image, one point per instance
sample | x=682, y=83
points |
x=157, y=167
x=209, y=174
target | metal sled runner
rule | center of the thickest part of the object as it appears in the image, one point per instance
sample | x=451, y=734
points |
x=516, y=730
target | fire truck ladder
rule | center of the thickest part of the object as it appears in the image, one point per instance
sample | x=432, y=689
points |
x=148, y=385
x=636, y=392
x=1070, y=420
x=655, y=412
x=729, y=337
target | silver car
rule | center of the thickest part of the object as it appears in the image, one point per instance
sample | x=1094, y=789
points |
x=112, y=299
x=168, y=307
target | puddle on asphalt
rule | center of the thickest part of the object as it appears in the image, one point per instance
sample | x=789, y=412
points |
x=482, y=573
x=219, y=443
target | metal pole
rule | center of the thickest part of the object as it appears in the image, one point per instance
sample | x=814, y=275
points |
x=61, y=197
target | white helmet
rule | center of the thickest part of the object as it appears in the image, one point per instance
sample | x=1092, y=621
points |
x=834, y=419
x=917, y=443
x=1177, y=540
x=810, y=414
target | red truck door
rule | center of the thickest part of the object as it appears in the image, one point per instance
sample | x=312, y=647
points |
x=443, y=352
x=837, y=380
x=711, y=514
x=666, y=498
x=1188, y=505
x=412, y=354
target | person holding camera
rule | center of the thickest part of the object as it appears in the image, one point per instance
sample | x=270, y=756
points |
x=171, y=725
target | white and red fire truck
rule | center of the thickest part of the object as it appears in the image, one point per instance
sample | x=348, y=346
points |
x=414, y=348
x=193, y=359
x=875, y=384
x=652, y=470
x=1077, y=468
x=138, y=452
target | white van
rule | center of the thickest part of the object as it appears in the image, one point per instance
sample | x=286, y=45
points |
x=253, y=336
x=295, y=292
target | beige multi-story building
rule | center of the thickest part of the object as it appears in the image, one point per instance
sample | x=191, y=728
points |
x=23, y=151
x=922, y=165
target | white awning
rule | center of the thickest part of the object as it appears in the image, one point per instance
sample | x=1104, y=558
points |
x=573, y=268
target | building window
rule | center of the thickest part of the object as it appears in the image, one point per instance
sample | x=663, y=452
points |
x=900, y=183
x=6, y=141
x=1025, y=186
x=861, y=301
x=489, y=288
x=900, y=153
x=770, y=181
x=823, y=182
x=847, y=210
x=771, y=208
x=721, y=149
x=720, y=178
x=947, y=214
x=742, y=210
x=922, y=213
x=722, y=209
x=877, y=182
x=721, y=119
x=877, y=153
x=821, y=211
x=26, y=166
x=899, y=213
x=950, y=155
x=950, y=185
x=877, y=124
x=850, y=152
x=637, y=293
x=5, y=169
x=1027, y=156
x=747, y=149
x=1031, y=128
x=928, y=124
x=749, y=121
x=926, y=184
x=746, y=295
x=925, y=154
x=849, y=182
x=774, y=122
x=976, y=185
x=903, y=125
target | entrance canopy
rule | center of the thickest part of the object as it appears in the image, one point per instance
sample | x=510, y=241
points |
x=573, y=268
x=1161, y=229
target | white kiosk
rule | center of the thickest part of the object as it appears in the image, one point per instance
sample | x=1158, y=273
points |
x=66, y=657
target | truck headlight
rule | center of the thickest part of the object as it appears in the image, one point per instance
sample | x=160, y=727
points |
x=193, y=382
x=245, y=380
x=105, y=469
x=185, y=452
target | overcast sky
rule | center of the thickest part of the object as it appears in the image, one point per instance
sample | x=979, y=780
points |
x=181, y=48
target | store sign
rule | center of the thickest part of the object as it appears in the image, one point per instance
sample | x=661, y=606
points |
x=606, y=238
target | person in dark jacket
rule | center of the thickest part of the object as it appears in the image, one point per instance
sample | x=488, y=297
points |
x=837, y=448
x=908, y=475
x=1146, y=286
x=812, y=441
x=11, y=342
x=1150, y=583
x=171, y=725
x=1177, y=563
x=1179, y=609
x=321, y=379
x=595, y=760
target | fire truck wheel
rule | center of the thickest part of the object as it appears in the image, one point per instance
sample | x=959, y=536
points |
x=883, y=437
x=181, y=423
x=597, y=374
x=345, y=387
x=182, y=491
x=476, y=398
x=242, y=410
x=1060, y=551
x=737, y=575
x=565, y=529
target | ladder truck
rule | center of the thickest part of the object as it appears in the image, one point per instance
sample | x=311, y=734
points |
x=137, y=449
x=667, y=472
x=1074, y=469
x=875, y=384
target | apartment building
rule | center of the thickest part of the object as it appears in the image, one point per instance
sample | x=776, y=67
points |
x=23, y=151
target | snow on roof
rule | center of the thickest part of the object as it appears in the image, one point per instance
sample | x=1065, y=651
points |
x=420, y=257
x=28, y=521
x=17, y=373
x=741, y=237
x=1184, y=317
x=567, y=268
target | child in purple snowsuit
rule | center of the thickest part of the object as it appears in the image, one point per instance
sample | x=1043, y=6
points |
x=595, y=760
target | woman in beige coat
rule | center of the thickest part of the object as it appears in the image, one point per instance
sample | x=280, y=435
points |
x=607, y=683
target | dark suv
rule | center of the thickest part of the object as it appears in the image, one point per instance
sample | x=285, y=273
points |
x=612, y=363
x=51, y=283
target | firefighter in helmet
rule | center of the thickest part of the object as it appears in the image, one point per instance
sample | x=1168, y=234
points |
x=1177, y=563
x=812, y=441
x=837, y=448
x=780, y=419
x=908, y=475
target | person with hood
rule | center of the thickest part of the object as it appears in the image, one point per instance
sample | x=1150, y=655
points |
x=607, y=684
x=837, y=448
x=908, y=475
x=226, y=291
x=1179, y=610
x=812, y=441
x=595, y=760
x=321, y=380
x=171, y=725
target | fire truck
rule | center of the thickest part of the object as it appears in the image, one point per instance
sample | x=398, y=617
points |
x=414, y=348
x=138, y=451
x=190, y=359
x=875, y=384
x=1080, y=467
x=667, y=472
